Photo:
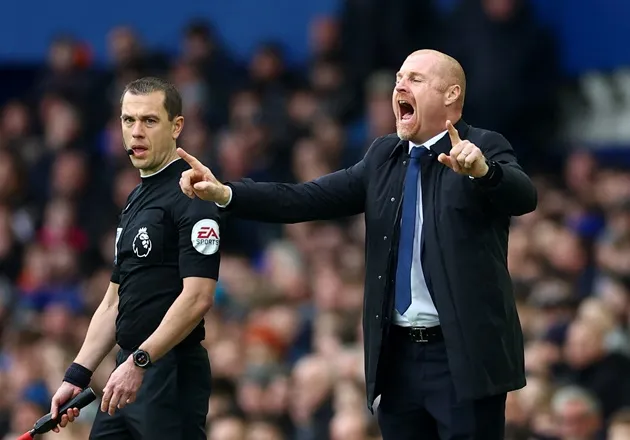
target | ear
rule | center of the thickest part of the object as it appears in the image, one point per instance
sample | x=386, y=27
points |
x=452, y=94
x=178, y=126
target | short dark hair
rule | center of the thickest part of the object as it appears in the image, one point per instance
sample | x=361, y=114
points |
x=150, y=84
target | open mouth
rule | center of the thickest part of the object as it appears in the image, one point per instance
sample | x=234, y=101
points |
x=138, y=149
x=406, y=110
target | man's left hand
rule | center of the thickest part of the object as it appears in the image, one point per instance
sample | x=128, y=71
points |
x=465, y=157
x=122, y=386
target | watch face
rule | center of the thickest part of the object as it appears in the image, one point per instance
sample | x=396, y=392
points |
x=141, y=359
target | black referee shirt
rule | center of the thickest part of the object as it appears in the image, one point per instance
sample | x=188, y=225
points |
x=162, y=237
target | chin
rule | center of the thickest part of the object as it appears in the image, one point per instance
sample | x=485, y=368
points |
x=405, y=133
x=402, y=134
x=139, y=163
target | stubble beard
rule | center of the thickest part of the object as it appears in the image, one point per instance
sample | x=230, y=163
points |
x=403, y=133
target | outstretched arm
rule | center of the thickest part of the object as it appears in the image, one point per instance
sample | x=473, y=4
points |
x=338, y=194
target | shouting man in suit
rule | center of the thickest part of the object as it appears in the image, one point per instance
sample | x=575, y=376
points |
x=443, y=342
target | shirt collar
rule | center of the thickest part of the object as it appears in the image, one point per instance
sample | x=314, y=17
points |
x=430, y=142
x=442, y=146
x=161, y=169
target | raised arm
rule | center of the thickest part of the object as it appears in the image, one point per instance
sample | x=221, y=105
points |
x=494, y=171
x=509, y=189
x=338, y=194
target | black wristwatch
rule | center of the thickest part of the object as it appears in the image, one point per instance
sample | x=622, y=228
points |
x=142, y=359
x=492, y=177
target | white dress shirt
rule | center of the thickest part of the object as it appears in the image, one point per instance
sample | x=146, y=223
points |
x=422, y=311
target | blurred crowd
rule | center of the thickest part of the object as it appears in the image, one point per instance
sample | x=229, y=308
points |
x=284, y=336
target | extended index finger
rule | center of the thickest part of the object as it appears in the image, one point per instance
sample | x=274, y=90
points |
x=192, y=160
x=452, y=133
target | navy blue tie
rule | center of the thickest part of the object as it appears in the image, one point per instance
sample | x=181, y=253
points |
x=407, y=231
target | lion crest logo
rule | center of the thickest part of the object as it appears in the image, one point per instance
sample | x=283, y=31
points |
x=142, y=243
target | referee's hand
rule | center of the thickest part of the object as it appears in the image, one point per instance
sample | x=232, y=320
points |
x=122, y=386
x=199, y=181
x=65, y=392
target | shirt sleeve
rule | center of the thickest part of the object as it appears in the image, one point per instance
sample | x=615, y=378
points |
x=115, y=278
x=199, y=239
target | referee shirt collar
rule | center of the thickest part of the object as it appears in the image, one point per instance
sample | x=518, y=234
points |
x=164, y=172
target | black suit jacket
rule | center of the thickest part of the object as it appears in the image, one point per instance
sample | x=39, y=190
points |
x=464, y=249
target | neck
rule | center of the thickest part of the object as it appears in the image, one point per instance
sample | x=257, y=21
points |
x=167, y=160
x=437, y=126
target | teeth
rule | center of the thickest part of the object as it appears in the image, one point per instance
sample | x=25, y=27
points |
x=402, y=101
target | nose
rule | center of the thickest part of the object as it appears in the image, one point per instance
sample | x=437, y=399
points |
x=401, y=86
x=137, y=131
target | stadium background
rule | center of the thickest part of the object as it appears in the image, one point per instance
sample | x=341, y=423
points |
x=288, y=91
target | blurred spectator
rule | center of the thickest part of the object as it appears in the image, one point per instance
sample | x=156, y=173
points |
x=348, y=425
x=591, y=365
x=577, y=413
x=499, y=44
x=218, y=74
x=262, y=430
x=65, y=73
x=311, y=399
x=379, y=34
x=228, y=428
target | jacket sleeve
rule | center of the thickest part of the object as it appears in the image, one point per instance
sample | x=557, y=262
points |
x=338, y=194
x=508, y=188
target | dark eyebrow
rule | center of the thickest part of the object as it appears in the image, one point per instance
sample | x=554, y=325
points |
x=143, y=117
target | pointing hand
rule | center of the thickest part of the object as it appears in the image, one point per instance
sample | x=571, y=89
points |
x=465, y=157
x=199, y=181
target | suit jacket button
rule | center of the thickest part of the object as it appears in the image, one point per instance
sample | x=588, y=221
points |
x=393, y=199
x=379, y=277
x=385, y=237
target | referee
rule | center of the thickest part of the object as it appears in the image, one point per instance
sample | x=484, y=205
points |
x=163, y=281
